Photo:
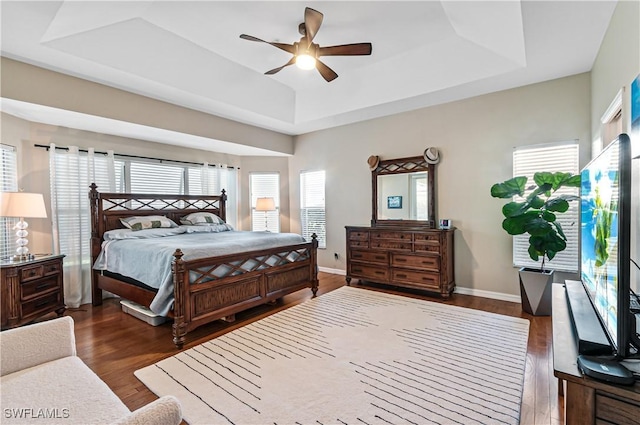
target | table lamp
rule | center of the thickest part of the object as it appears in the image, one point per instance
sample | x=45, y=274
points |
x=265, y=204
x=21, y=205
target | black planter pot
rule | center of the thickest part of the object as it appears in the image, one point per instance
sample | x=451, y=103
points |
x=535, y=290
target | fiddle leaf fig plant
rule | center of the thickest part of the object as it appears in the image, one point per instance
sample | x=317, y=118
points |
x=537, y=214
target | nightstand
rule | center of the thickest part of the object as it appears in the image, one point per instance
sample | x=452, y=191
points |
x=30, y=289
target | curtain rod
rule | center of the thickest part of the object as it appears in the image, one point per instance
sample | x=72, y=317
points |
x=131, y=156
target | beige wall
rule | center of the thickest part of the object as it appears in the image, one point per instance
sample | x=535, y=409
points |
x=617, y=63
x=476, y=138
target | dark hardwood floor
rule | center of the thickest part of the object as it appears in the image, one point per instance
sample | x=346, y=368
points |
x=115, y=344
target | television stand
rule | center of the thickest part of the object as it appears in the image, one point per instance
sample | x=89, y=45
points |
x=586, y=401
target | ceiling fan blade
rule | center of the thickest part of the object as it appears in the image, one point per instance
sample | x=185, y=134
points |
x=282, y=46
x=346, y=50
x=275, y=70
x=312, y=22
x=326, y=72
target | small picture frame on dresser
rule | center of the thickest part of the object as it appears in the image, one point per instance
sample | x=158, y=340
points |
x=444, y=224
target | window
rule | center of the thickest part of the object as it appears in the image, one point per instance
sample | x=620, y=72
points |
x=9, y=182
x=265, y=185
x=557, y=157
x=312, y=212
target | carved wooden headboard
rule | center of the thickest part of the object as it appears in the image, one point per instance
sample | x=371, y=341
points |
x=108, y=208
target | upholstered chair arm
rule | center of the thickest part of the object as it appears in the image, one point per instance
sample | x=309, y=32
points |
x=163, y=411
x=31, y=345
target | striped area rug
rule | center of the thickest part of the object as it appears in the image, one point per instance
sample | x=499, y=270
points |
x=354, y=356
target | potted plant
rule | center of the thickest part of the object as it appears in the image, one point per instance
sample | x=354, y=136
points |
x=537, y=216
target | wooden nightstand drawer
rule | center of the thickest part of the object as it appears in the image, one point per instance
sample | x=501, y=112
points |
x=31, y=273
x=31, y=289
x=39, y=287
x=46, y=303
x=52, y=268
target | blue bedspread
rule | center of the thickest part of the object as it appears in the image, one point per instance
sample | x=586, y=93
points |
x=148, y=260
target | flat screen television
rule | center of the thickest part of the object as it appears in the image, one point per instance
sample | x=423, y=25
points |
x=605, y=230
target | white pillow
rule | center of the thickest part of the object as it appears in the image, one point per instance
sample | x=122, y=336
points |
x=213, y=228
x=201, y=219
x=142, y=234
x=147, y=222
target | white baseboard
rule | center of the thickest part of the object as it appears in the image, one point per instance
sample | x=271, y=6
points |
x=332, y=271
x=458, y=290
x=488, y=294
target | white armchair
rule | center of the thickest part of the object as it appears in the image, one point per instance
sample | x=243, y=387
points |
x=42, y=380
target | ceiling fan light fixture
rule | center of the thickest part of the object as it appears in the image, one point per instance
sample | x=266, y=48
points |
x=305, y=61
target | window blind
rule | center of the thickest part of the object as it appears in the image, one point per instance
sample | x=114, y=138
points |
x=553, y=158
x=312, y=206
x=9, y=182
x=74, y=171
x=265, y=185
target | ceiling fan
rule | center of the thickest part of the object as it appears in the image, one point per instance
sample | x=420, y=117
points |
x=306, y=53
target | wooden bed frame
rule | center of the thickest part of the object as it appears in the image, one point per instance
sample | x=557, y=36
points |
x=208, y=297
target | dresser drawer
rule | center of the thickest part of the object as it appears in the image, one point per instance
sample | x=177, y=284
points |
x=38, y=287
x=427, y=247
x=355, y=235
x=31, y=273
x=435, y=237
x=415, y=261
x=385, y=234
x=48, y=302
x=388, y=244
x=367, y=271
x=357, y=243
x=419, y=278
x=370, y=257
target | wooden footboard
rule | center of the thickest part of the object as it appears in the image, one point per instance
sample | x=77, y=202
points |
x=212, y=288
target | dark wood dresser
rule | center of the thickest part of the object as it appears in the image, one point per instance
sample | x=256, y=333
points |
x=31, y=289
x=414, y=258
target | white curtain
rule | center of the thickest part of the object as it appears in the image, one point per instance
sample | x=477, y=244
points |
x=214, y=179
x=71, y=173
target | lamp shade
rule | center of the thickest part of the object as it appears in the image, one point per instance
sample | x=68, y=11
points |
x=265, y=204
x=23, y=204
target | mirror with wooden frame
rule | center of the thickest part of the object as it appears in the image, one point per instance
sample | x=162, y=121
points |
x=403, y=192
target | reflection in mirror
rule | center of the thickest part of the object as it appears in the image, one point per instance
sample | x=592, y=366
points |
x=403, y=196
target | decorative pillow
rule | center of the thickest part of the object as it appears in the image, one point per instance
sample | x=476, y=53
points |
x=211, y=228
x=147, y=222
x=118, y=234
x=201, y=219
